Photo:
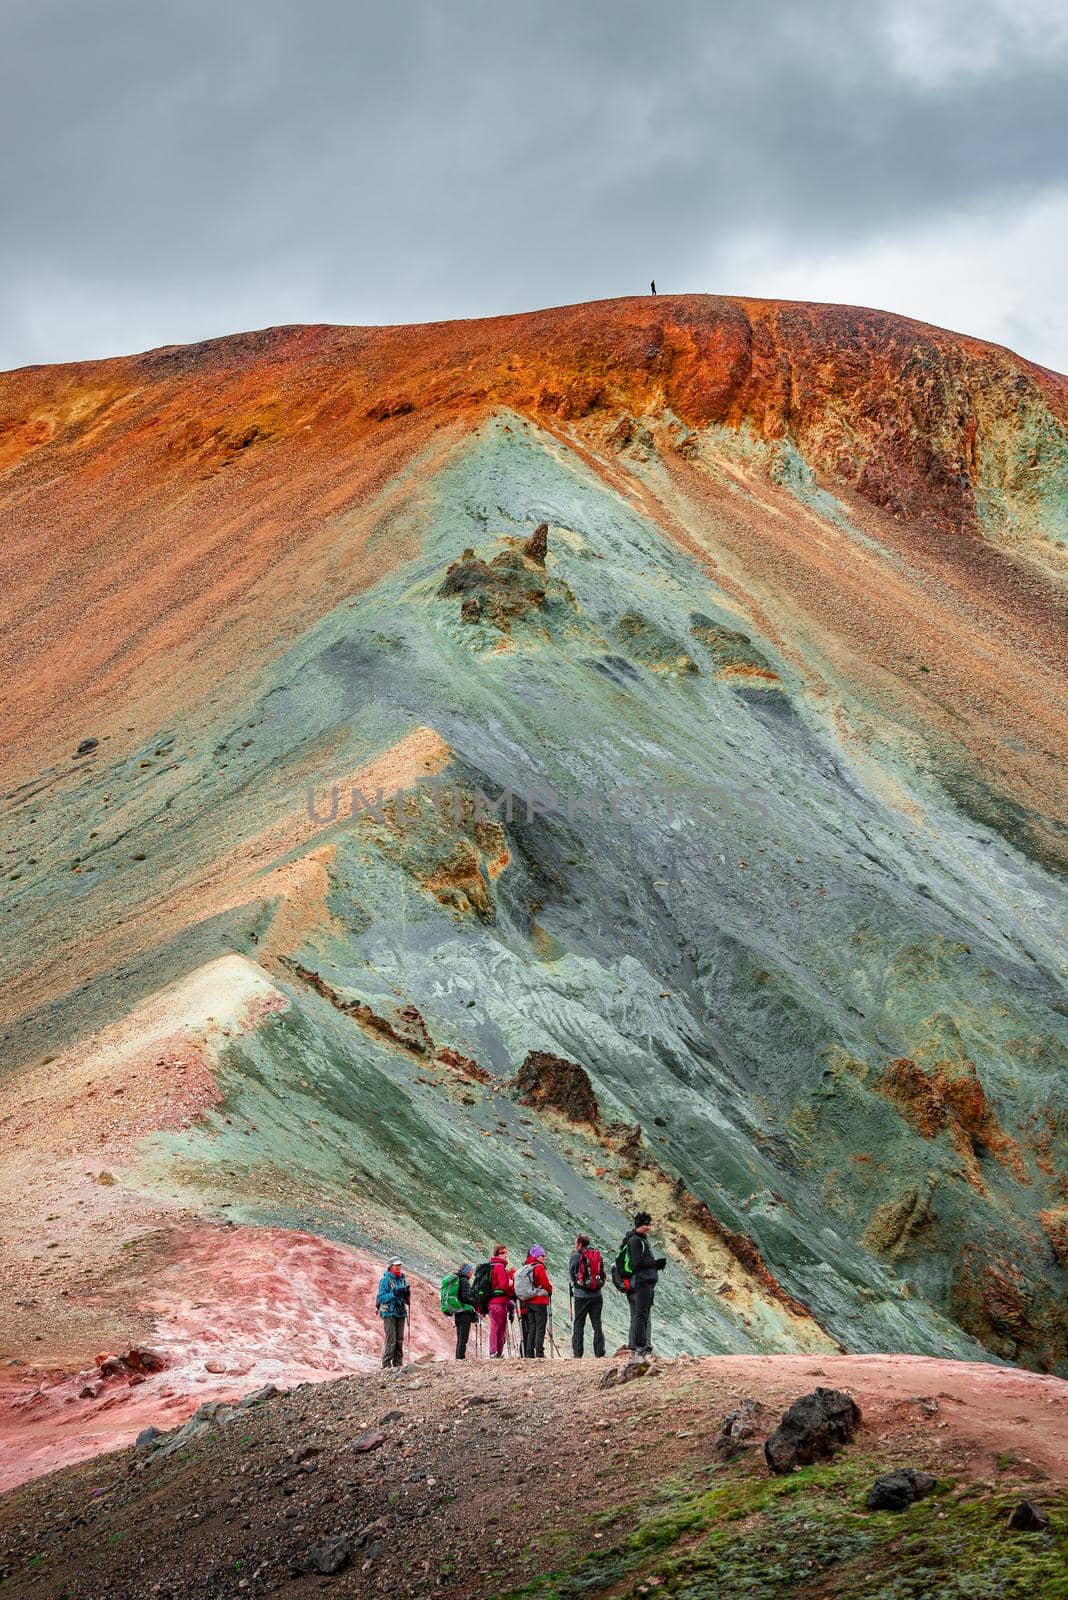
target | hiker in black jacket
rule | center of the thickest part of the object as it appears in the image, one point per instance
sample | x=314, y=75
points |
x=643, y=1270
x=466, y=1314
x=586, y=1273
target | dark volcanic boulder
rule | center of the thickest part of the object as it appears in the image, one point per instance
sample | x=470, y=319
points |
x=330, y=1556
x=812, y=1429
x=1028, y=1518
x=896, y=1491
x=545, y=1080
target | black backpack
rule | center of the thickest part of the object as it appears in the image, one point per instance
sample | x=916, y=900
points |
x=481, y=1284
x=621, y=1269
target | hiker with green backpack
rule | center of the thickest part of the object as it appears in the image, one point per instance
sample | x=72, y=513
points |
x=458, y=1301
x=635, y=1272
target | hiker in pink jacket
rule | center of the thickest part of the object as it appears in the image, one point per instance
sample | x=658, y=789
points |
x=501, y=1300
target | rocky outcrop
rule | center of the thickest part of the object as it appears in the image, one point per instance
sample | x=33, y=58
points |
x=734, y=653
x=398, y=405
x=633, y=437
x=464, y=1065
x=551, y=1083
x=136, y=1362
x=949, y=1098
x=1014, y=1317
x=537, y=545
x=508, y=587
x=636, y=1367
x=155, y=1446
x=409, y=1032
x=1055, y=1223
x=443, y=842
x=654, y=647
x=895, y=1224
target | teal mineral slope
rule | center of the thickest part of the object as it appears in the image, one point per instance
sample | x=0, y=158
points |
x=647, y=931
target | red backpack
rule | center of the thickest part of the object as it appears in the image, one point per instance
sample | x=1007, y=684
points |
x=589, y=1274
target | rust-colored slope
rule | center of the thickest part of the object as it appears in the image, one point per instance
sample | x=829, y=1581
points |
x=169, y=518
x=188, y=511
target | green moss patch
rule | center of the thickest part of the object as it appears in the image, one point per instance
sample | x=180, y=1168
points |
x=755, y=1538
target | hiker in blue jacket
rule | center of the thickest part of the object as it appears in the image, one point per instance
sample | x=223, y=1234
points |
x=392, y=1302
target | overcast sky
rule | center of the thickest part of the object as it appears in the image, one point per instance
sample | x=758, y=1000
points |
x=176, y=169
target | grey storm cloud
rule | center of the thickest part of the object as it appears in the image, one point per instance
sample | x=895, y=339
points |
x=179, y=169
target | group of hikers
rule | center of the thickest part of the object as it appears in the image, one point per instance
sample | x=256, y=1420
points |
x=500, y=1293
